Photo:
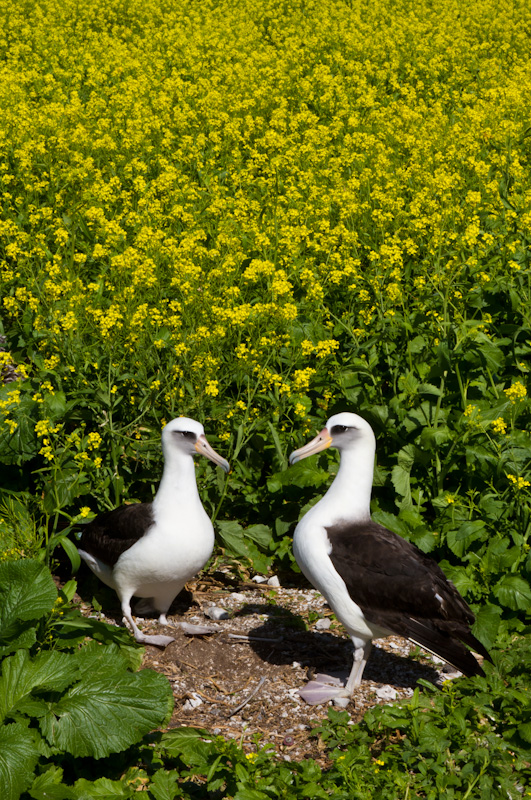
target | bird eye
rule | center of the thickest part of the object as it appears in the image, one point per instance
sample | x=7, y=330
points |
x=339, y=429
x=186, y=434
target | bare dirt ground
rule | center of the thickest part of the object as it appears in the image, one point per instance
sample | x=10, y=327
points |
x=243, y=680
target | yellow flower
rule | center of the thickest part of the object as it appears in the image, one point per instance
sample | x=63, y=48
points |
x=94, y=441
x=499, y=425
x=516, y=392
x=518, y=482
x=212, y=388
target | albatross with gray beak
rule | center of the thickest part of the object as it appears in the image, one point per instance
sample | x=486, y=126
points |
x=376, y=583
x=150, y=550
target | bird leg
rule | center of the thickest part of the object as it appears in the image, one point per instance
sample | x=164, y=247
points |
x=143, y=638
x=361, y=656
x=324, y=688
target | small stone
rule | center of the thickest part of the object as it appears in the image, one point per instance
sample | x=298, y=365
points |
x=238, y=597
x=323, y=624
x=193, y=702
x=259, y=578
x=273, y=581
x=214, y=612
x=386, y=693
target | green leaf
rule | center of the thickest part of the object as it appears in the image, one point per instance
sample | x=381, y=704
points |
x=401, y=478
x=525, y=731
x=22, y=445
x=16, y=600
x=188, y=744
x=103, y=788
x=50, y=786
x=19, y=604
x=232, y=536
x=513, y=592
x=487, y=624
x=109, y=709
x=459, y=541
x=18, y=756
x=301, y=474
x=54, y=406
x=50, y=671
x=71, y=551
x=261, y=534
x=250, y=794
x=164, y=785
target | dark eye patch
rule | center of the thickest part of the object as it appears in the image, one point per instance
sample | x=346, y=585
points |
x=339, y=429
x=186, y=434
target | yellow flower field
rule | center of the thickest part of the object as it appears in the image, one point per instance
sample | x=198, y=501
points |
x=254, y=213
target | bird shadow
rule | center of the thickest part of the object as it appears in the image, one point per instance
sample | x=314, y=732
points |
x=283, y=638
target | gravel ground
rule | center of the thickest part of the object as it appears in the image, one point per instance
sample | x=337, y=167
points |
x=243, y=680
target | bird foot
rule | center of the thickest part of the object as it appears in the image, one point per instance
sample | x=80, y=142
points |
x=158, y=639
x=197, y=630
x=324, y=688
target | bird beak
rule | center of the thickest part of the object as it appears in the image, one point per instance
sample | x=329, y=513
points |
x=204, y=449
x=321, y=442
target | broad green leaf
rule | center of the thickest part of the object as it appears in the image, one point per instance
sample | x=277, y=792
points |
x=424, y=539
x=491, y=356
x=392, y=522
x=245, y=793
x=513, y=592
x=164, y=785
x=188, y=744
x=401, y=479
x=18, y=755
x=22, y=444
x=50, y=786
x=50, y=671
x=525, y=731
x=459, y=541
x=487, y=623
x=232, y=536
x=459, y=577
x=103, y=789
x=107, y=711
x=27, y=592
x=261, y=534
x=301, y=474
x=54, y=406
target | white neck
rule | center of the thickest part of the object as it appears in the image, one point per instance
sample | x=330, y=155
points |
x=349, y=497
x=178, y=485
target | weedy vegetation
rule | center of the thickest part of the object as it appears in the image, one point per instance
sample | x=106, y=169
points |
x=256, y=214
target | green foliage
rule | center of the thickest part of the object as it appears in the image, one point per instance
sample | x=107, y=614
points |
x=469, y=739
x=59, y=695
x=260, y=213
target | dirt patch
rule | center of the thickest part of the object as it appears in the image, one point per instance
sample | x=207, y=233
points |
x=242, y=681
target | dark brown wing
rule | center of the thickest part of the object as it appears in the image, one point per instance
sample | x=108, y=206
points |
x=401, y=589
x=114, y=532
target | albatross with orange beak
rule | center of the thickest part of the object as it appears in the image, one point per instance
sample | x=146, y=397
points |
x=376, y=582
x=150, y=550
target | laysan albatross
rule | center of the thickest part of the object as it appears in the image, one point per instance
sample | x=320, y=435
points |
x=150, y=550
x=376, y=583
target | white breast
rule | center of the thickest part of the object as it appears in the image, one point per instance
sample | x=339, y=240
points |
x=311, y=547
x=171, y=552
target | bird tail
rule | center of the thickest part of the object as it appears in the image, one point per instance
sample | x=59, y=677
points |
x=446, y=641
